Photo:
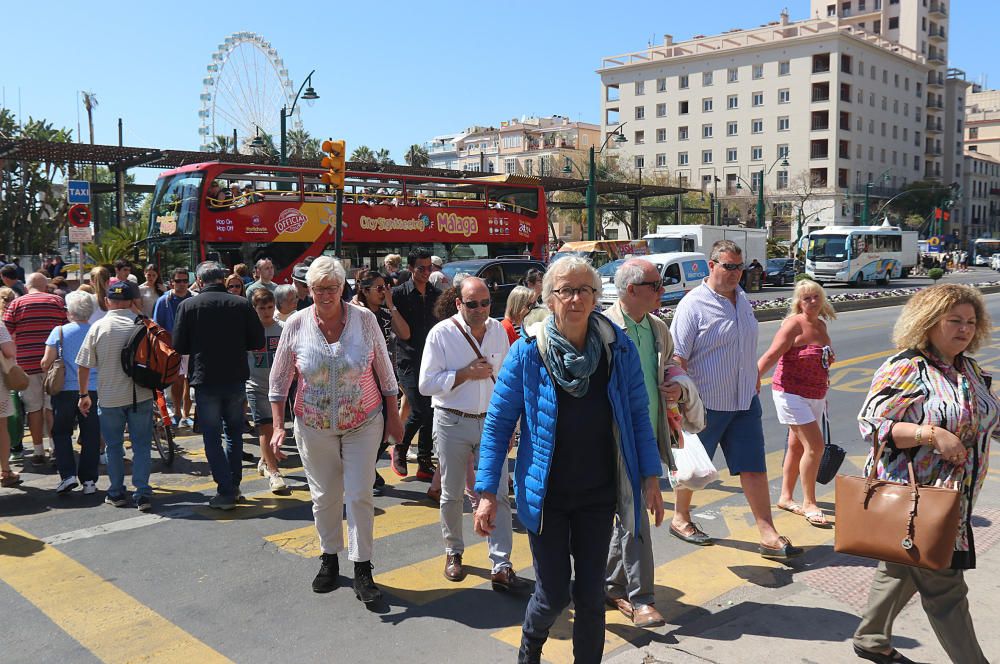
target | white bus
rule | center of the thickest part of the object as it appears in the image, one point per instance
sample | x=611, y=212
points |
x=982, y=249
x=856, y=254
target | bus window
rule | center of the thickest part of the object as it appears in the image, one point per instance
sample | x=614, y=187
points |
x=174, y=210
x=259, y=185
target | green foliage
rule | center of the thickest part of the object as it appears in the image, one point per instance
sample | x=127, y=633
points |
x=364, y=155
x=120, y=242
x=417, y=156
x=800, y=277
x=301, y=145
x=775, y=249
x=935, y=273
x=923, y=197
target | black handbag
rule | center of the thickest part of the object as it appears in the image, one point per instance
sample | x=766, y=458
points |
x=833, y=455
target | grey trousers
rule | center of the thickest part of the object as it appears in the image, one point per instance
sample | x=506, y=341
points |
x=630, y=564
x=944, y=596
x=457, y=438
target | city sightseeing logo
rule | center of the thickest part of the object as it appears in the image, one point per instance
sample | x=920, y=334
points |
x=453, y=224
x=290, y=220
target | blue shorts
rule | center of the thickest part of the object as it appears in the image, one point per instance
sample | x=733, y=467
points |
x=741, y=435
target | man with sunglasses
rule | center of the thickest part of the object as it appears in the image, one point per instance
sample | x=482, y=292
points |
x=461, y=359
x=715, y=341
x=164, y=313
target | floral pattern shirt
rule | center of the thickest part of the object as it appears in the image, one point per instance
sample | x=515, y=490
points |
x=340, y=384
x=919, y=388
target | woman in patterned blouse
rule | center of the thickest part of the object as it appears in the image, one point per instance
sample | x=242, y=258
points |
x=337, y=353
x=932, y=402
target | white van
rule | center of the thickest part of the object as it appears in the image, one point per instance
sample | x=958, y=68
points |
x=680, y=270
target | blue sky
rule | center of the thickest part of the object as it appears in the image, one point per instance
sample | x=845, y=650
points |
x=389, y=73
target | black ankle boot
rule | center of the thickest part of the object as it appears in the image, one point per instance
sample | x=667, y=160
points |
x=329, y=570
x=530, y=651
x=364, y=585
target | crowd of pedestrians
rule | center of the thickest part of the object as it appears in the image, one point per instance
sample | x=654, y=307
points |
x=596, y=405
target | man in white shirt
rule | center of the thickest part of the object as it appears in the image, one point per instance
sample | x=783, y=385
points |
x=461, y=358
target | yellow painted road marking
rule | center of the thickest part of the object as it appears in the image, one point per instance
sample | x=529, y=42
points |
x=105, y=620
x=205, y=486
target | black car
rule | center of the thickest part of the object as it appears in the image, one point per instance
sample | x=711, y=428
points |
x=779, y=271
x=501, y=275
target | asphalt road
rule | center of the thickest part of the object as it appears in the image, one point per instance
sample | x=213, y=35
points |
x=87, y=582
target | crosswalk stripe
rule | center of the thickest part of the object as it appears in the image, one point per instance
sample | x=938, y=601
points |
x=110, y=623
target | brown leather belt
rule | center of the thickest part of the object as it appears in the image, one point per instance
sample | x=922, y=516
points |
x=468, y=416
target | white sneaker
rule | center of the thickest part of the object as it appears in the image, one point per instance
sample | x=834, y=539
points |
x=277, y=482
x=67, y=484
x=262, y=468
x=89, y=487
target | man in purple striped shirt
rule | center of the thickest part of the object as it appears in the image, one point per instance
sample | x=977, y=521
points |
x=715, y=341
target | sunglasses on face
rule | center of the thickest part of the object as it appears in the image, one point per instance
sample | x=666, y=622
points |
x=180, y=281
x=380, y=289
x=655, y=285
x=234, y=287
x=474, y=304
x=732, y=267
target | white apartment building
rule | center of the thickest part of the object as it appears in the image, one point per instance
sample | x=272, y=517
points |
x=845, y=105
x=982, y=122
x=442, y=150
x=977, y=213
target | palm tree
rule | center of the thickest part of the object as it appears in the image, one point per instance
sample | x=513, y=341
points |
x=303, y=146
x=417, y=156
x=382, y=158
x=363, y=155
x=90, y=103
x=222, y=143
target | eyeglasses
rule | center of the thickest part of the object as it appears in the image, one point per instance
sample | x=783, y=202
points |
x=234, y=287
x=326, y=289
x=732, y=267
x=474, y=304
x=655, y=285
x=180, y=281
x=567, y=293
x=380, y=289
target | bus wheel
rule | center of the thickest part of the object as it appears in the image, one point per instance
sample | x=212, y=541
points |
x=885, y=281
x=859, y=280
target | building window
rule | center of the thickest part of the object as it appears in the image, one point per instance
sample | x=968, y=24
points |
x=682, y=82
x=682, y=158
x=846, y=64
x=784, y=96
x=757, y=126
x=706, y=156
x=733, y=74
x=783, y=123
x=661, y=85
x=758, y=71
x=509, y=141
x=731, y=154
x=661, y=135
x=784, y=68
x=782, y=151
x=640, y=87
x=640, y=161
x=758, y=99
x=510, y=165
x=640, y=112
x=732, y=101
x=706, y=105
x=974, y=132
x=706, y=131
x=706, y=78
x=529, y=166
x=732, y=128
x=821, y=63
x=756, y=153
x=894, y=23
x=755, y=180
x=640, y=137
x=682, y=133
x=682, y=108
x=661, y=160
x=782, y=180
x=661, y=110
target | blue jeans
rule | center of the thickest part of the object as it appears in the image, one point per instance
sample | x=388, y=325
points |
x=65, y=416
x=140, y=432
x=218, y=406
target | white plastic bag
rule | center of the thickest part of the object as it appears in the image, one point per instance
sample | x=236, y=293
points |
x=694, y=469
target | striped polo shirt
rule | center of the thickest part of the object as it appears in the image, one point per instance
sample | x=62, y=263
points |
x=29, y=319
x=719, y=343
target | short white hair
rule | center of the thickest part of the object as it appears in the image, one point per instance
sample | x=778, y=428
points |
x=284, y=293
x=569, y=265
x=632, y=271
x=325, y=267
x=80, y=306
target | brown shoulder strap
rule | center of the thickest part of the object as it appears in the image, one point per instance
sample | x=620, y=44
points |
x=472, y=344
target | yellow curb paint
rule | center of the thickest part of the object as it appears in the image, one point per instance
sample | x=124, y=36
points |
x=90, y=609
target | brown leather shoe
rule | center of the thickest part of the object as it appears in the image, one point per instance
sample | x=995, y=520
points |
x=506, y=581
x=622, y=604
x=453, y=570
x=646, y=615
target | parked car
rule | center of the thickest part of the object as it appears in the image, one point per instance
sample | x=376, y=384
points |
x=607, y=271
x=779, y=271
x=501, y=275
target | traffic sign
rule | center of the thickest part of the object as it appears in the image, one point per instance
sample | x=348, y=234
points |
x=78, y=191
x=79, y=216
x=81, y=235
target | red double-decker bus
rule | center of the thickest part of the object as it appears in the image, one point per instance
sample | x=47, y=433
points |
x=287, y=214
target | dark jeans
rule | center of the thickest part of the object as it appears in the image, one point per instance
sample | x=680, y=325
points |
x=65, y=417
x=421, y=418
x=218, y=406
x=572, y=527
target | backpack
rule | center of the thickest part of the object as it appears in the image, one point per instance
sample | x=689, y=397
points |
x=149, y=356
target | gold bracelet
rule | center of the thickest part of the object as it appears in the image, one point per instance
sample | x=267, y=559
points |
x=933, y=442
x=918, y=437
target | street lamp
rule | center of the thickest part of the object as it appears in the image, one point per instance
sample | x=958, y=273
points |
x=762, y=173
x=619, y=137
x=258, y=143
x=884, y=177
x=310, y=96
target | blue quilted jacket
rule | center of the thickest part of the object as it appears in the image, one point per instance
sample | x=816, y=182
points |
x=525, y=389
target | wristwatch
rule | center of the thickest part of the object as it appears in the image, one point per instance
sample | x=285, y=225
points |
x=84, y=395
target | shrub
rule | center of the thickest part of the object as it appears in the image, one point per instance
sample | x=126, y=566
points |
x=935, y=273
x=803, y=275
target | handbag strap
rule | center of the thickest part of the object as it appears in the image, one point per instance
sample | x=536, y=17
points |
x=472, y=344
x=59, y=350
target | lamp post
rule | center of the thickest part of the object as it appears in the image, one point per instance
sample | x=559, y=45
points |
x=310, y=95
x=884, y=177
x=591, y=178
x=715, y=201
x=762, y=173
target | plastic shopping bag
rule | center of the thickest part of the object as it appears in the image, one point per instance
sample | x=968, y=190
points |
x=694, y=469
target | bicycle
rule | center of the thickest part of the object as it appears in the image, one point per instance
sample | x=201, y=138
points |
x=163, y=435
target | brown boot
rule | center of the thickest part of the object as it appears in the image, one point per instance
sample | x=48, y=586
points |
x=453, y=570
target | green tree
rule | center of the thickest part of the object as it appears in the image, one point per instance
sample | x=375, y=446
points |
x=301, y=145
x=921, y=198
x=363, y=155
x=383, y=158
x=222, y=143
x=417, y=156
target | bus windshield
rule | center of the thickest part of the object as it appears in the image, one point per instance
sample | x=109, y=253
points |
x=174, y=210
x=827, y=248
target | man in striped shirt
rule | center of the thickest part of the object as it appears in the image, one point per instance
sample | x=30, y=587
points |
x=715, y=341
x=29, y=319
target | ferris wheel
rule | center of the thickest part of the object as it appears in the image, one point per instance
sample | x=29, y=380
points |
x=245, y=86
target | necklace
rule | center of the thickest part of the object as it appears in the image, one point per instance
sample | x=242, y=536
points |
x=331, y=332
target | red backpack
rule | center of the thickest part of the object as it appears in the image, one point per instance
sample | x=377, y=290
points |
x=149, y=356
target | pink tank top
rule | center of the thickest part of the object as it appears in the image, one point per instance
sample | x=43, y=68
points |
x=802, y=370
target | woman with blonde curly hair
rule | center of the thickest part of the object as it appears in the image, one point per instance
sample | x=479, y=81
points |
x=802, y=351
x=931, y=404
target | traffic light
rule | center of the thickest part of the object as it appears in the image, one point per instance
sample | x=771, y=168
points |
x=335, y=162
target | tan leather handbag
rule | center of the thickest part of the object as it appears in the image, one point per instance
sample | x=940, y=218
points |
x=55, y=377
x=14, y=376
x=898, y=523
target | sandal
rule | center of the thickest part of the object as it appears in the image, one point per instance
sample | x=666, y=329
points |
x=792, y=507
x=9, y=478
x=785, y=551
x=817, y=519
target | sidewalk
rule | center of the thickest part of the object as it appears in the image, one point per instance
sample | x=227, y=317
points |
x=809, y=615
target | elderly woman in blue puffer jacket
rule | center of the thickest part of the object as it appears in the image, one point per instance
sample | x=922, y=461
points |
x=586, y=449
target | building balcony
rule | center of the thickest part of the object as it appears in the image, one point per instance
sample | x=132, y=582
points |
x=937, y=57
x=441, y=149
x=936, y=34
x=934, y=104
x=934, y=127
x=817, y=155
x=932, y=151
x=935, y=80
x=938, y=9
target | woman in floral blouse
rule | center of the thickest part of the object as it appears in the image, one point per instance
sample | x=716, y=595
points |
x=337, y=353
x=933, y=402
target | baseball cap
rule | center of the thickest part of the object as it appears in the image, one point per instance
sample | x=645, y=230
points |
x=437, y=260
x=123, y=290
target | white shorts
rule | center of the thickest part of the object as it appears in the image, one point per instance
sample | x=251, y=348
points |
x=793, y=409
x=35, y=398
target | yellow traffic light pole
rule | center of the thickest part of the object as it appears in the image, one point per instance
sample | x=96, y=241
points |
x=336, y=164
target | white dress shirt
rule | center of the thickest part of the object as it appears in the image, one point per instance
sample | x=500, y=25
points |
x=446, y=351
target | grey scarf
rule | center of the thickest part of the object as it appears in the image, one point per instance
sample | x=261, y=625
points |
x=570, y=368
